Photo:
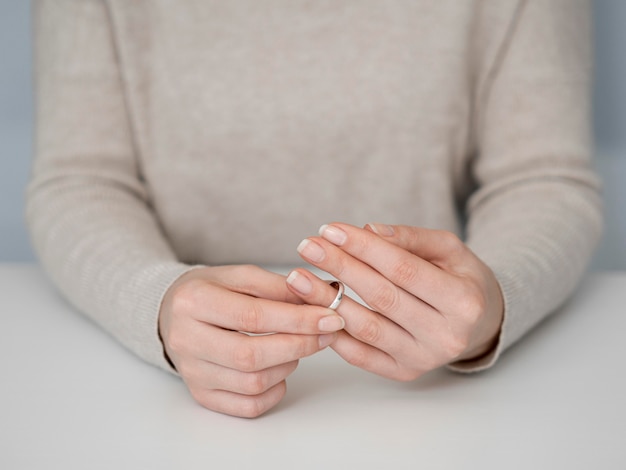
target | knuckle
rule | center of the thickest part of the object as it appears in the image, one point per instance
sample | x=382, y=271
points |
x=384, y=298
x=454, y=345
x=247, y=358
x=361, y=244
x=249, y=318
x=184, y=295
x=304, y=346
x=474, y=304
x=254, y=383
x=301, y=319
x=341, y=266
x=251, y=408
x=405, y=273
x=451, y=242
x=450, y=239
x=370, y=332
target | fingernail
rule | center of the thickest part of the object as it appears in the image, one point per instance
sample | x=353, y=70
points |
x=299, y=282
x=311, y=250
x=382, y=229
x=332, y=322
x=326, y=340
x=333, y=234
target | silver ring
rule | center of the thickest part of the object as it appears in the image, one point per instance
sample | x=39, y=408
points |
x=339, y=297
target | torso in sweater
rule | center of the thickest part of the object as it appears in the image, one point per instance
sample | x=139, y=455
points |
x=256, y=122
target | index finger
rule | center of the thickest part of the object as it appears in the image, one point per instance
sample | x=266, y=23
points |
x=414, y=274
x=440, y=247
x=239, y=312
x=254, y=353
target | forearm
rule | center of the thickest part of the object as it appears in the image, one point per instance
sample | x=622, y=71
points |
x=536, y=215
x=537, y=237
x=88, y=209
x=103, y=249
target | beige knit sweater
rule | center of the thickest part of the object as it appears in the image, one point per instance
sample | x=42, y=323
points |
x=171, y=133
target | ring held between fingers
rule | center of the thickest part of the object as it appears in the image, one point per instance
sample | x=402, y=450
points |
x=303, y=286
x=339, y=297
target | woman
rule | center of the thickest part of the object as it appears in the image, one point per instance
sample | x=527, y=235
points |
x=177, y=141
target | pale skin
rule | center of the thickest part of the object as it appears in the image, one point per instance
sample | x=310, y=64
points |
x=202, y=322
x=430, y=301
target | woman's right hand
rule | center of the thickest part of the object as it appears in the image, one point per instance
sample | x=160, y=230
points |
x=203, y=322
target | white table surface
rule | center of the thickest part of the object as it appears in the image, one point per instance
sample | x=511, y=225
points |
x=73, y=398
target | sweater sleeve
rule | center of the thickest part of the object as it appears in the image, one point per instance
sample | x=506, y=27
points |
x=88, y=209
x=536, y=215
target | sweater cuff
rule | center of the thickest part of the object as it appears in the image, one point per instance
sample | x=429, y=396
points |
x=510, y=292
x=145, y=340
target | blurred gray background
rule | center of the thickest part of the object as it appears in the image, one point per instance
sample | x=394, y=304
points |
x=16, y=124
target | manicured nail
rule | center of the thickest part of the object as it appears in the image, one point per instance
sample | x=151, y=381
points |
x=311, y=250
x=299, y=282
x=326, y=340
x=333, y=234
x=382, y=229
x=332, y=322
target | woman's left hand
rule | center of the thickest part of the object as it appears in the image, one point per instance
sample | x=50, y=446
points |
x=431, y=300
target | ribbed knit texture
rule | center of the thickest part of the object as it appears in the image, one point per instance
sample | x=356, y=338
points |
x=171, y=134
